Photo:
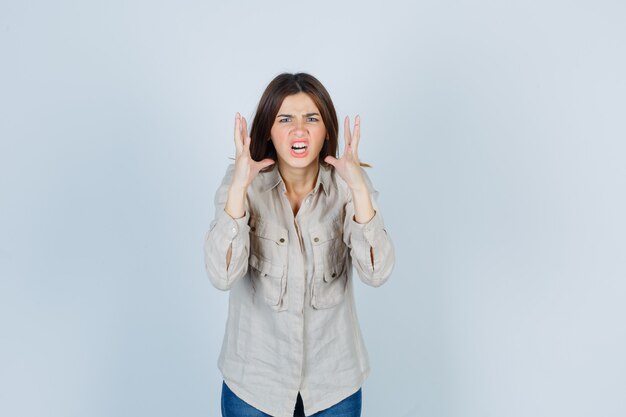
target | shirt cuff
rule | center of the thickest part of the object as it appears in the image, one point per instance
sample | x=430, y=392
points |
x=368, y=231
x=229, y=228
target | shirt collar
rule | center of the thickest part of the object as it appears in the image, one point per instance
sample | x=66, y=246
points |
x=273, y=178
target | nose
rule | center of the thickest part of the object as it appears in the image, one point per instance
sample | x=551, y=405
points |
x=299, y=129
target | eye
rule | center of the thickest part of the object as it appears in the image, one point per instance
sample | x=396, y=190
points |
x=312, y=119
x=283, y=120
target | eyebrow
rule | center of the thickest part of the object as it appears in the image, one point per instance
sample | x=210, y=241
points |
x=291, y=115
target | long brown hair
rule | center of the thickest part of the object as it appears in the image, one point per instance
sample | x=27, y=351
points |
x=280, y=87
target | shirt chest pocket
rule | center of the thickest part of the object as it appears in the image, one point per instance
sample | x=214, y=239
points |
x=268, y=262
x=330, y=273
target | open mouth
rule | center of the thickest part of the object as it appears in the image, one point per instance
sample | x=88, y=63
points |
x=299, y=147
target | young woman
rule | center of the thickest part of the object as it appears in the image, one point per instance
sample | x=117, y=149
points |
x=291, y=221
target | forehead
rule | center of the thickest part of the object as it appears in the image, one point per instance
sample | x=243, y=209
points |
x=298, y=103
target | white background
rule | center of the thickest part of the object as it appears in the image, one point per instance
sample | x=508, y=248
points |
x=497, y=135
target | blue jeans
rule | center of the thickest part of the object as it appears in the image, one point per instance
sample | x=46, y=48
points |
x=233, y=406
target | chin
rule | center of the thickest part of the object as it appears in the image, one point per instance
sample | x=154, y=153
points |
x=300, y=163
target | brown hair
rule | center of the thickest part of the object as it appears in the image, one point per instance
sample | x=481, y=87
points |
x=280, y=87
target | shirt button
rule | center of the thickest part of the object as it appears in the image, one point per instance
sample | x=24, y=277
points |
x=317, y=239
x=233, y=230
x=282, y=240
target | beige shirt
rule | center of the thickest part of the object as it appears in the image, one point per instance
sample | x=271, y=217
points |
x=292, y=323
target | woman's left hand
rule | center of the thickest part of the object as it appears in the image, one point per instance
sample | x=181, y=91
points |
x=348, y=166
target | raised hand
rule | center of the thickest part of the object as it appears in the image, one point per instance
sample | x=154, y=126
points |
x=246, y=168
x=348, y=166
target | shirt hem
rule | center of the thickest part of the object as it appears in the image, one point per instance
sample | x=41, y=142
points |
x=336, y=399
x=244, y=395
x=329, y=402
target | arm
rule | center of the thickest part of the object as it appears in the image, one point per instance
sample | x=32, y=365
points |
x=370, y=246
x=364, y=230
x=227, y=243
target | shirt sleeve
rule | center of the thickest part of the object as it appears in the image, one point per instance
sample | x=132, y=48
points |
x=224, y=233
x=369, y=241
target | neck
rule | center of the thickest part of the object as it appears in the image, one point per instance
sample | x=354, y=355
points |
x=299, y=180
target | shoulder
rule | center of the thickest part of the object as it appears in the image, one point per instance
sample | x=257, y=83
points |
x=264, y=181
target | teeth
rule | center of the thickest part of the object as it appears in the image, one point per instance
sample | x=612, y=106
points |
x=298, y=147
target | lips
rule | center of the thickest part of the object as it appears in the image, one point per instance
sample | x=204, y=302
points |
x=299, y=148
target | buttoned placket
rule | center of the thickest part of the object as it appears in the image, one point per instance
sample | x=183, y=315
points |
x=296, y=283
x=301, y=221
x=298, y=224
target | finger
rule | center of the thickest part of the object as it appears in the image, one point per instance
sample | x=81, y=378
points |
x=246, y=144
x=238, y=141
x=346, y=139
x=346, y=133
x=356, y=135
x=265, y=163
x=331, y=160
x=244, y=127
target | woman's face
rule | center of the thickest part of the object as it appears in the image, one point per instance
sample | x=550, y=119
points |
x=298, y=132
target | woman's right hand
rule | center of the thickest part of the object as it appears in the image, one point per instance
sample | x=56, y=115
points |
x=246, y=169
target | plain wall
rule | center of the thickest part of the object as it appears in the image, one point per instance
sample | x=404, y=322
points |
x=497, y=135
